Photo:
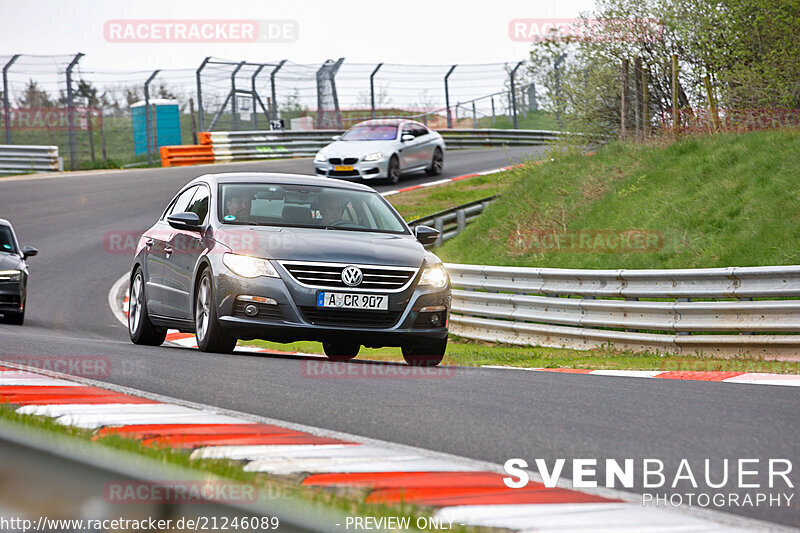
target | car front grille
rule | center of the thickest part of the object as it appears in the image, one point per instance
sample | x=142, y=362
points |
x=345, y=161
x=9, y=299
x=329, y=276
x=350, y=317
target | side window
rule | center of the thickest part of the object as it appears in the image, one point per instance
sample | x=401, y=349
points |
x=181, y=202
x=199, y=204
x=418, y=130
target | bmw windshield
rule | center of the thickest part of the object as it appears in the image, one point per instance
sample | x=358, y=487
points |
x=370, y=132
x=302, y=206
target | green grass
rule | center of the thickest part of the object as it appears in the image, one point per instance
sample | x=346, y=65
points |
x=715, y=201
x=534, y=120
x=350, y=501
x=465, y=353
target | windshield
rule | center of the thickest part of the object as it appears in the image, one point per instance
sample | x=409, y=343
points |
x=7, y=243
x=304, y=206
x=370, y=132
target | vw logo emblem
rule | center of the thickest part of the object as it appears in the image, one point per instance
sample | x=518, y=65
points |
x=352, y=276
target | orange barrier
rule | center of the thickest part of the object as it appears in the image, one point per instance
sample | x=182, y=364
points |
x=204, y=137
x=180, y=156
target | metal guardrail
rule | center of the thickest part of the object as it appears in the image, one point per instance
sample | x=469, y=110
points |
x=589, y=308
x=26, y=159
x=230, y=146
x=451, y=222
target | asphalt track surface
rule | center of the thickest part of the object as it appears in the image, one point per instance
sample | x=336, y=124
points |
x=484, y=414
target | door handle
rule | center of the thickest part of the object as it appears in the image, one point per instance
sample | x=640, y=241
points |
x=168, y=251
x=149, y=243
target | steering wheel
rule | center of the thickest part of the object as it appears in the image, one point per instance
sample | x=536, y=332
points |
x=345, y=222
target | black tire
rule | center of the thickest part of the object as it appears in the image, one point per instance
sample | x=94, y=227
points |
x=393, y=171
x=15, y=319
x=140, y=329
x=209, y=334
x=437, y=163
x=427, y=354
x=340, y=350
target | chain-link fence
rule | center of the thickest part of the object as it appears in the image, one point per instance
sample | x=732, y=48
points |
x=114, y=118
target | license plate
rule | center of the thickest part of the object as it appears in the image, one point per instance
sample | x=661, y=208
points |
x=343, y=168
x=343, y=300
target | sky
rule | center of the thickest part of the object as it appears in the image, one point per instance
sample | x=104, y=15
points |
x=408, y=32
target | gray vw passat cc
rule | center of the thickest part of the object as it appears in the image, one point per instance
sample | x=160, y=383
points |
x=284, y=258
x=13, y=275
x=382, y=149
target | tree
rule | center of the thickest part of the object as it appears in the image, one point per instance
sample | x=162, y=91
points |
x=34, y=97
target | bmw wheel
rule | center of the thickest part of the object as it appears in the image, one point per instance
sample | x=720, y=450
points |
x=437, y=163
x=140, y=329
x=393, y=172
x=210, y=335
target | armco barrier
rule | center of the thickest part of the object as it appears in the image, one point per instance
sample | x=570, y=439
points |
x=26, y=159
x=451, y=222
x=588, y=308
x=230, y=146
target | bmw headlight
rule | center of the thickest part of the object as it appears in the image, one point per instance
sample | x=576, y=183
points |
x=377, y=156
x=249, y=267
x=10, y=275
x=320, y=158
x=434, y=276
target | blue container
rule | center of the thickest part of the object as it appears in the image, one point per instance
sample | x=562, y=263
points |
x=165, y=115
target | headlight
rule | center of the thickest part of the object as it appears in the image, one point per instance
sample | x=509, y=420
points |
x=320, y=158
x=377, y=156
x=249, y=267
x=435, y=276
x=10, y=275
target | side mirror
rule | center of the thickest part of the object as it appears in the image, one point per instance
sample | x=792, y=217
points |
x=29, y=251
x=189, y=221
x=426, y=234
x=407, y=137
x=335, y=137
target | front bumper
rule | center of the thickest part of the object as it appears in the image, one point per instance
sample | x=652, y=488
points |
x=12, y=296
x=295, y=316
x=361, y=170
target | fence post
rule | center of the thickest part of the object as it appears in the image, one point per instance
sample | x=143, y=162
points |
x=532, y=104
x=461, y=220
x=274, y=107
x=438, y=225
x=234, y=102
x=372, y=90
x=474, y=116
x=712, y=102
x=645, y=103
x=147, y=118
x=332, y=73
x=71, y=113
x=514, y=94
x=557, y=62
x=623, y=123
x=200, y=93
x=255, y=94
x=676, y=116
x=494, y=119
x=447, y=97
x=637, y=107
x=6, y=107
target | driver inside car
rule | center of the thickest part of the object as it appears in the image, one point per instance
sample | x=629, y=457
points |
x=331, y=207
x=238, y=205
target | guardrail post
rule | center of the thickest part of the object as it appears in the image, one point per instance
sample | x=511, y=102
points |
x=274, y=107
x=494, y=119
x=372, y=90
x=474, y=116
x=71, y=113
x=447, y=96
x=514, y=94
x=200, y=93
x=461, y=220
x=438, y=224
x=147, y=118
x=234, y=102
x=6, y=107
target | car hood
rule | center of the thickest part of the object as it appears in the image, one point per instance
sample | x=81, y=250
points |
x=356, y=148
x=10, y=261
x=335, y=246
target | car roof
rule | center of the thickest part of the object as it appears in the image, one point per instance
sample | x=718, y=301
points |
x=387, y=122
x=281, y=179
x=4, y=222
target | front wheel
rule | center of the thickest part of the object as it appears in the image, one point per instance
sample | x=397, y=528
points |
x=425, y=354
x=140, y=329
x=437, y=163
x=340, y=351
x=210, y=335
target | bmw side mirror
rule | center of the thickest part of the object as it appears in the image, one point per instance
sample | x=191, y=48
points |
x=189, y=221
x=426, y=234
x=407, y=137
x=29, y=251
x=335, y=137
